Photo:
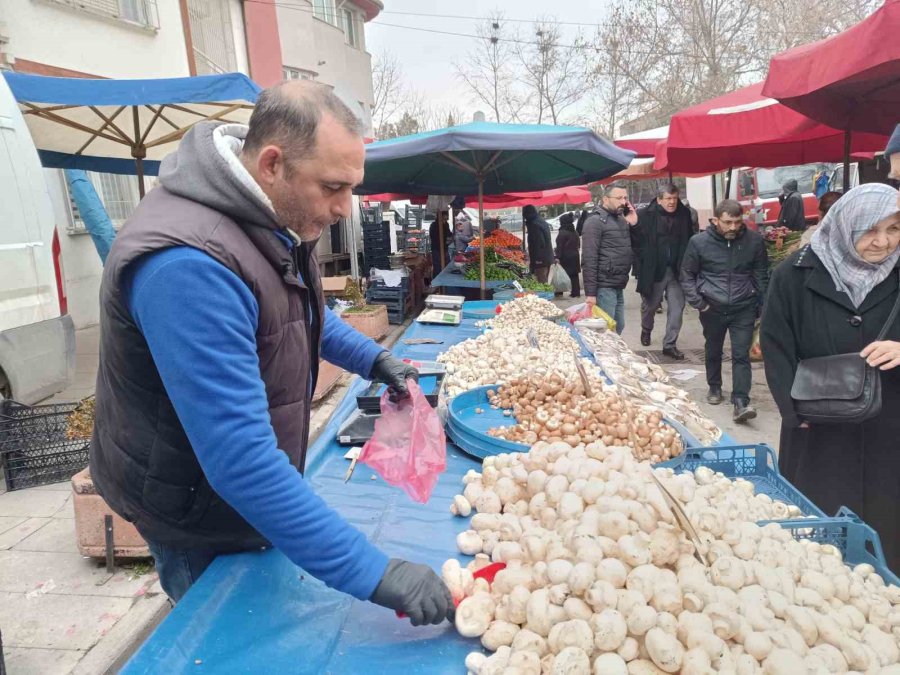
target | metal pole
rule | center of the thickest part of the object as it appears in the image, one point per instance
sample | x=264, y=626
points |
x=110, y=544
x=846, y=161
x=714, y=191
x=728, y=183
x=139, y=165
x=441, y=217
x=481, y=232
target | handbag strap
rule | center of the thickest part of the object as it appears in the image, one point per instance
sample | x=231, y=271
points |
x=890, y=320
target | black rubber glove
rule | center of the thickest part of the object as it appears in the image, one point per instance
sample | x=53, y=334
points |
x=394, y=373
x=416, y=591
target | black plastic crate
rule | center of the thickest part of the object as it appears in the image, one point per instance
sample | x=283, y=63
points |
x=22, y=426
x=50, y=462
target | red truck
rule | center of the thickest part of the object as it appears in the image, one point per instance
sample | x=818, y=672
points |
x=758, y=189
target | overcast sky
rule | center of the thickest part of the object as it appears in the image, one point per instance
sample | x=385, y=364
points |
x=427, y=58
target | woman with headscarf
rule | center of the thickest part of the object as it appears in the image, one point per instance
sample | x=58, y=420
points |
x=568, y=251
x=833, y=297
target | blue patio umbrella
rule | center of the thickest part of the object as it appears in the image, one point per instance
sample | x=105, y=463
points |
x=123, y=126
x=487, y=158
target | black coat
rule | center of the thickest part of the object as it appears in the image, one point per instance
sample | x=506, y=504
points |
x=606, y=254
x=540, y=243
x=854, y=465
x=716, y=271
x=792, y=214
x=649, y=245
x=434, y=234
x=568, y=246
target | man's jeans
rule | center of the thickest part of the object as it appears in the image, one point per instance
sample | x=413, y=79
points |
x=612, y=301
x=739, y=321
x=179, y=568
x=674, y=294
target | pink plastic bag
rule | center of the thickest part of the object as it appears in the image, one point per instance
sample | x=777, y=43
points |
x=408, y=448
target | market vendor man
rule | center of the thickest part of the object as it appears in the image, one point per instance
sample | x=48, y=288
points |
x=212, y=325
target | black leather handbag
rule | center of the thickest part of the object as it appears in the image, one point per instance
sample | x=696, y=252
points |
x=840, y=389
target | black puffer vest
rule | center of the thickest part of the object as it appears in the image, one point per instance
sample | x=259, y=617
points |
x=141, y=459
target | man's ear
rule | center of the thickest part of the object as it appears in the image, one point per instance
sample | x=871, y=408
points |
x=269, y=165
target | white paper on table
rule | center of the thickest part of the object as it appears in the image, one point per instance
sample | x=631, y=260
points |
x=353, y=453
x=391, y=278
x=684, y=374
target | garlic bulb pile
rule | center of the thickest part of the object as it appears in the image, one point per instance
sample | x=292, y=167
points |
x=552, y=410
x=646, y=382
x=599, y=578
x=504, y=351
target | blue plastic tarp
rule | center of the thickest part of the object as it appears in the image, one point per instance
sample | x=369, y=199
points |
x=103, y=125
x=257, y=612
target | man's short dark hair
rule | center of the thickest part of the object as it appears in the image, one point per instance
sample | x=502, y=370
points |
x=618, y=185
x=288, y=115
x=828, y=200
x=668, y=189
x=729, y=207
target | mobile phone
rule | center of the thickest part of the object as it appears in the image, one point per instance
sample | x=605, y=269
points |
x=626, y=210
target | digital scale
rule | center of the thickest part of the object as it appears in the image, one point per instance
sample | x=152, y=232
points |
x=444, y=310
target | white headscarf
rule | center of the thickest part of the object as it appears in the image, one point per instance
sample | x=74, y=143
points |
x=834, y=242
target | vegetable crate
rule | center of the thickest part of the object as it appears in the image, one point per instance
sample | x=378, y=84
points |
x=755, y=463
x=34, y=448
x=858, y=542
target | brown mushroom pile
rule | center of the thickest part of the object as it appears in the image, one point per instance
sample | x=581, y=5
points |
x=555, y=410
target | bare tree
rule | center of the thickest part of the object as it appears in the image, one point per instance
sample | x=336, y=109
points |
x=670, y=54
x=387, y=85
x=487, y=70
x=553, y=73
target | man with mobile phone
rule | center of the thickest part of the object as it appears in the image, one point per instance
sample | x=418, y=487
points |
x=606, y=256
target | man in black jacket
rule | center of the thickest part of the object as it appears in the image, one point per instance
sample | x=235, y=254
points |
x=606, y=254
x=540, y=243
x=659, y=241
x=724, y=275
x=792, y=214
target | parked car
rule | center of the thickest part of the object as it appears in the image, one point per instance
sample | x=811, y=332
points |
x=37, y=336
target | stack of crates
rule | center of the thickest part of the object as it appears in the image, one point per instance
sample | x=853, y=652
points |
x=377, y=245
x=396, y=299
x=34, y=447
x=414, y=237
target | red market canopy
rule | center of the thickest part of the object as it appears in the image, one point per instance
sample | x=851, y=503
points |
x=643, y=142
x=850, y=81
x=745, y=128
x=567, y=195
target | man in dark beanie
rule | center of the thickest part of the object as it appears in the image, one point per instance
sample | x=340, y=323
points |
x=792, y=216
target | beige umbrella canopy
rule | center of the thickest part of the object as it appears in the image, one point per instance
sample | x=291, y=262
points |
x=124, y=126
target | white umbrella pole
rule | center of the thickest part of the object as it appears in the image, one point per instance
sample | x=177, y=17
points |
x=481, y=232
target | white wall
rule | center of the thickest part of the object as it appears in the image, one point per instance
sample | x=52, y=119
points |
x=81, y=263
x=51, y=33
x=306, y=41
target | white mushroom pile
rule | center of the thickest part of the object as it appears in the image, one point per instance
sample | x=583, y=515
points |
x=549, y=409
x=505, y=352
x=600, y=579
x=647, y=383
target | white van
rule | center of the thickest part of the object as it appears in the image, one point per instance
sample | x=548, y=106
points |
x=37, y=336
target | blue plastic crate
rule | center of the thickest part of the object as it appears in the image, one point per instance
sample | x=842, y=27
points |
x=755, y=463
x=858, y=542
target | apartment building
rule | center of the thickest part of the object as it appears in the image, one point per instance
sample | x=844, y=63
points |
x=268, y=40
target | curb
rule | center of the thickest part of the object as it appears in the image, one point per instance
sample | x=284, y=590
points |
x=129, y=633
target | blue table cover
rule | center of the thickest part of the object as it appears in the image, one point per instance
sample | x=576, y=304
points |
x=259, y=613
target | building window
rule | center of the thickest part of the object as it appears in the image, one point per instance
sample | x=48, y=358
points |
x=212, y=35
x=118, y=193
x=350, y=28
x=298, y=74
x=141, y=12
x=325, y=10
